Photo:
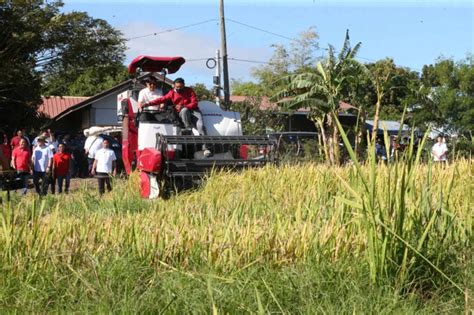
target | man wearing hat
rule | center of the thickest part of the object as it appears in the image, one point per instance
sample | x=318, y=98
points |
x=42, y=158
x=150, y=93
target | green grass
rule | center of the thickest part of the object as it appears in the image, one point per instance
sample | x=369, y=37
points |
x=295, y=239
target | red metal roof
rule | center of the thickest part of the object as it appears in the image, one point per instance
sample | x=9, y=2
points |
x=55, y=105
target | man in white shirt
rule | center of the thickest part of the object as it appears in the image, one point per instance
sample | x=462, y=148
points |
x=439, y=151
x=147, y=95
x=45, y=135
x=42, y=158
x=104, y=165
x=91, y=146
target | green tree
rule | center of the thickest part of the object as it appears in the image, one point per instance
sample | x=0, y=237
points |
x=446, y=97
x=44, y=51
x=86, y=56
x=21, y=41
x=256, y=121
x=320, y=90
x=299, y=56
x=247, y=88
x=203, y=93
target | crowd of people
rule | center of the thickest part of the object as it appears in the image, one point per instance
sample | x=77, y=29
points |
x=51, y=162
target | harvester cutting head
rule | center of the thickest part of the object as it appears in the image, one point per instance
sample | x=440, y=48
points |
x=185, y=164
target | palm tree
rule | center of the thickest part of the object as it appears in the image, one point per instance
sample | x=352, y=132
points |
x=320, y=89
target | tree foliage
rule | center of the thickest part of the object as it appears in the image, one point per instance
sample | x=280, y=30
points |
x=44, y=51
x=320, y=90
x=446, y=96
x=256, y=121
x=298, y=56
x=202, y=92
x=86, y=56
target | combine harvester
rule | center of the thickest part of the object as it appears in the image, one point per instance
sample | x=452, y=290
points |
x=170, y=161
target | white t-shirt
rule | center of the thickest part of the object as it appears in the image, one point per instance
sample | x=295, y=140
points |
x=53, y=145
x=41, y=157
x=104, y=158
x=439, y=149
x=92, y=144
x=146, y=96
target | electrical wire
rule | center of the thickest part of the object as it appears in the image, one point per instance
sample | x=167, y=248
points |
x=171, y=30
x=249, y=61
x=261, y=30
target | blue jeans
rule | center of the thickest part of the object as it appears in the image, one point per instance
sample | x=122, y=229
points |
x=60, y=179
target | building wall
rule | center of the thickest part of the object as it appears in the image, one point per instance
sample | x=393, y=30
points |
x=104, y=112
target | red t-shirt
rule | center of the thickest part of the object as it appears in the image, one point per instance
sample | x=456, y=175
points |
x=61, y=162
x=185, y=97
x=22, y=159
x=15, y=141
x=5, y=150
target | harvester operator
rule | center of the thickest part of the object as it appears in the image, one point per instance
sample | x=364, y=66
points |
x=185, y=103
x=150, y=93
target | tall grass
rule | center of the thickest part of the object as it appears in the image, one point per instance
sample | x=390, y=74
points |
x=300, y=238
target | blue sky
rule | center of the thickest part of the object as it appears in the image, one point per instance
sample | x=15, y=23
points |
x=413, y=33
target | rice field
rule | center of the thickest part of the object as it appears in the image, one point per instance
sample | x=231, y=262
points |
x=306, y=238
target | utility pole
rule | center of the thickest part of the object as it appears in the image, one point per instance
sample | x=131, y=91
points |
x=217, y=80
x=225, y=67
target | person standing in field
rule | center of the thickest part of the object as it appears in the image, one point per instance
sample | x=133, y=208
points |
x=61, y=167
x=45, y=135
x=42, y=159
x=439, y=151
x=15, y=141
x=104, y=166
x=21, y=162
x=91, y=146
x=5, y=150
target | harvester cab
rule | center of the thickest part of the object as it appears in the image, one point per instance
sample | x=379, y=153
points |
x=168, y=160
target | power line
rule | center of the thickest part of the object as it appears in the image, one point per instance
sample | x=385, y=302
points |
x=250, y=61
x=293, y=39
x=171, y=29
x=261, y=30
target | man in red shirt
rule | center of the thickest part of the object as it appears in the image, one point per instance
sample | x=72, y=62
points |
x=61, y=166
x=185, y=103
x=15, y=142
x=21, y=162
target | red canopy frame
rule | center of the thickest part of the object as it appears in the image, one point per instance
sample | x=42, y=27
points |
x=156, y=64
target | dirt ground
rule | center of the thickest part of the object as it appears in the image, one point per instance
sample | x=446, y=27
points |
x=75, y=184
